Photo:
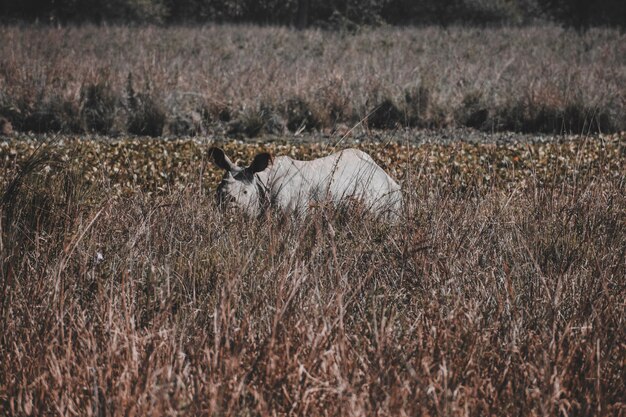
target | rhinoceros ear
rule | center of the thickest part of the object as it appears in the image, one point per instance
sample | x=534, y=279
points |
x=261, y=162
x=220, y=159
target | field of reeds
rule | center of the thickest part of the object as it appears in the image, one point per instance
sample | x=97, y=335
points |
x=500, y=291
x=246, y=81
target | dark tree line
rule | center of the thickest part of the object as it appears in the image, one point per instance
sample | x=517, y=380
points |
x=325, y=13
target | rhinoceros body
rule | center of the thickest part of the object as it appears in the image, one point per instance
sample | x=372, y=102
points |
x=292, y=185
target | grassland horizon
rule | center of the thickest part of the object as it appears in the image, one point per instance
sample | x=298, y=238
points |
x=500, y=291
x=245, y=81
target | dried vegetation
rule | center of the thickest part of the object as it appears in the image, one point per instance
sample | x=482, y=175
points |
x=501, y=292
x=247, y=80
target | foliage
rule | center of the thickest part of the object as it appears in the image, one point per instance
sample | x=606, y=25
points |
x=99, y=107
x=337, y=14
x=146, y=115
x=583, y=14
x=155, y=165
x=385, y=115
x=255, y=80
x=53, y=114
x=300, y=115
x=500, y=292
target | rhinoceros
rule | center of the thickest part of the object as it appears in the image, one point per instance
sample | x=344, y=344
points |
x=295, y=186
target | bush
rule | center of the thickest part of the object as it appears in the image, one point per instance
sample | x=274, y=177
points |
x=341, y=15
x=473, y=112
x=572, y=118
x=146, y=116
x=98, y=108
x=54, y=114
x=300, y=115
x=11, y=112
x=334, y=100
x=249, y=122
x=256, y=121
x=188, y=124
x=216, y=113
x=386, y=115
x=417, y=105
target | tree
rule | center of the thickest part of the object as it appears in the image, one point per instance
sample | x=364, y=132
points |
x=302, y=18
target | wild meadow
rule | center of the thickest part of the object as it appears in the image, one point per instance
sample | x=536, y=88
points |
x=247, y=81
x=500, y=291
x=125, y=290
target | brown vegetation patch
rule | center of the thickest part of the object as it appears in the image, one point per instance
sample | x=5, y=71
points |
x=501, y=291
x=533, y=79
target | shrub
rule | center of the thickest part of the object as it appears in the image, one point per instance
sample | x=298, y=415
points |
x=187, y=124
x=417, y=105
x=249, y=122
x=329, y=13
x=334, y=100
x=472, y=112
x=146, y=115
x=54, y=114
x=98, y=108
x=523, y=117
x=579, y=118
x=255, y=121
x=300, y=115
x=273, y=121
x=10, y=111
x=216, y=112
x=386, y=115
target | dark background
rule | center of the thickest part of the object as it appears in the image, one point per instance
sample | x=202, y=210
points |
x=331, y=14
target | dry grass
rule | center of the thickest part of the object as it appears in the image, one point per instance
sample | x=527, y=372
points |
x=250, y=80
x=490, y=298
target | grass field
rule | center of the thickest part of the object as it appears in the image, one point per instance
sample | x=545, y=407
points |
x=247, y=81
x=500, y=291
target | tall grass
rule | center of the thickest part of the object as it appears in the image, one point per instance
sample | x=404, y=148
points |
x=485, y=299
x=260, y=79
